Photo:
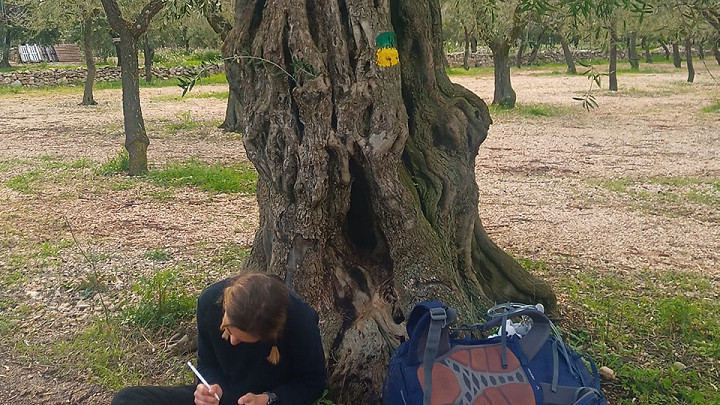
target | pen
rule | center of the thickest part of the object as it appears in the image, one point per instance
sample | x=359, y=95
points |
x=202, y=380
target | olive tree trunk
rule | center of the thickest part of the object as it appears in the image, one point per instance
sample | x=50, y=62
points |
x=612, y=68
x=633, y=56
x=677, y=59
x=6, y=41
x=569, y=60
x=366, y=173
x=88, y=17
x=504, y=94
x=689, y=59
x=136, y=139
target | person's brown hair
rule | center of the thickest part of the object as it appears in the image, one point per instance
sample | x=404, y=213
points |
x=257, y=303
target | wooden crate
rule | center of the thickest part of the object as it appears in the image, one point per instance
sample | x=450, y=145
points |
x=68, y=53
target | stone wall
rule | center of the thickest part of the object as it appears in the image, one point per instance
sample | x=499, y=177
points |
x=483, y=58
x=54, y=77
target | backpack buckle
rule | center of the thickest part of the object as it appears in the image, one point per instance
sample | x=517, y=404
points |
x=439, y=314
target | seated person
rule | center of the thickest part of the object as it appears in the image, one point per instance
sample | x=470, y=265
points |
x=258, y=344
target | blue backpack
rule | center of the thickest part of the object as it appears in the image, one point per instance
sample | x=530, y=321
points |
x=523, y=364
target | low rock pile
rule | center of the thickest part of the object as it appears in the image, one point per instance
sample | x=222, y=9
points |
x=55, y=77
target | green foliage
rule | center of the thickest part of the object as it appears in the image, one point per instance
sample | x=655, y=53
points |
x=472, y=72
x=230, y=256
x=588, y=99
x=230, y=178
x=528, y=110
x=120, y=163
x=671, y=196
x=163, y=301
x=22, y=182
x=657, y=329
x=158, y=255
x=715, y=108
x=323, y=400
x=90, y=285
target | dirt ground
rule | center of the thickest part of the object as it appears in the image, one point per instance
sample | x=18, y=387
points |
x=538, y=197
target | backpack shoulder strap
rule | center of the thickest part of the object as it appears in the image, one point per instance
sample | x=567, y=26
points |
x=426, y=326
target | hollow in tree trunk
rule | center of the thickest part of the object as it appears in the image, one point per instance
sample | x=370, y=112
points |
x=366, y=173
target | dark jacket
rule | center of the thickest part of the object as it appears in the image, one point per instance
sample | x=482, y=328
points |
x=300, y=376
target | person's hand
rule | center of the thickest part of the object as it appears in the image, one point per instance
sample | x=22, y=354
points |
x=253, y=399
x=203, y=396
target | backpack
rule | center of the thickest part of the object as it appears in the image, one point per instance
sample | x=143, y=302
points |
x=521, y=365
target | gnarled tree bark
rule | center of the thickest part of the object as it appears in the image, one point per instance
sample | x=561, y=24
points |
x=366, y=173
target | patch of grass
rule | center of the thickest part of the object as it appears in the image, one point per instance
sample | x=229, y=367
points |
x=220, y=95
x=529, y=110
x=158, y=255
x=712, y=109
x=671, y=196
x=120, y=163
x=100, y=351
x=44, y=169
x=472, y=72
x=164, y=301
x=232, y=255
x=22, y=183
x=235, y=178
x=660, y=338
x=90, y=285
x=185, y=123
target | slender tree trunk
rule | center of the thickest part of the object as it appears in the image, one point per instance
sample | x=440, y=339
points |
x=569, y=60
x=504, y=94
x=233, y=113
x=473, y=44
x=6, y=41
x=612, y=70
x=645, y=44
x=88, y=18
x=466, y=54
x=148, y=55
x=136, y=139
x=520, y=53
x=222, y=27
x=366, y=173
x=633, y=56
x=677, y=59
x=666, y=49
x=715, y=50
x=536, y=48
x=701, y=50
x=689, y=59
